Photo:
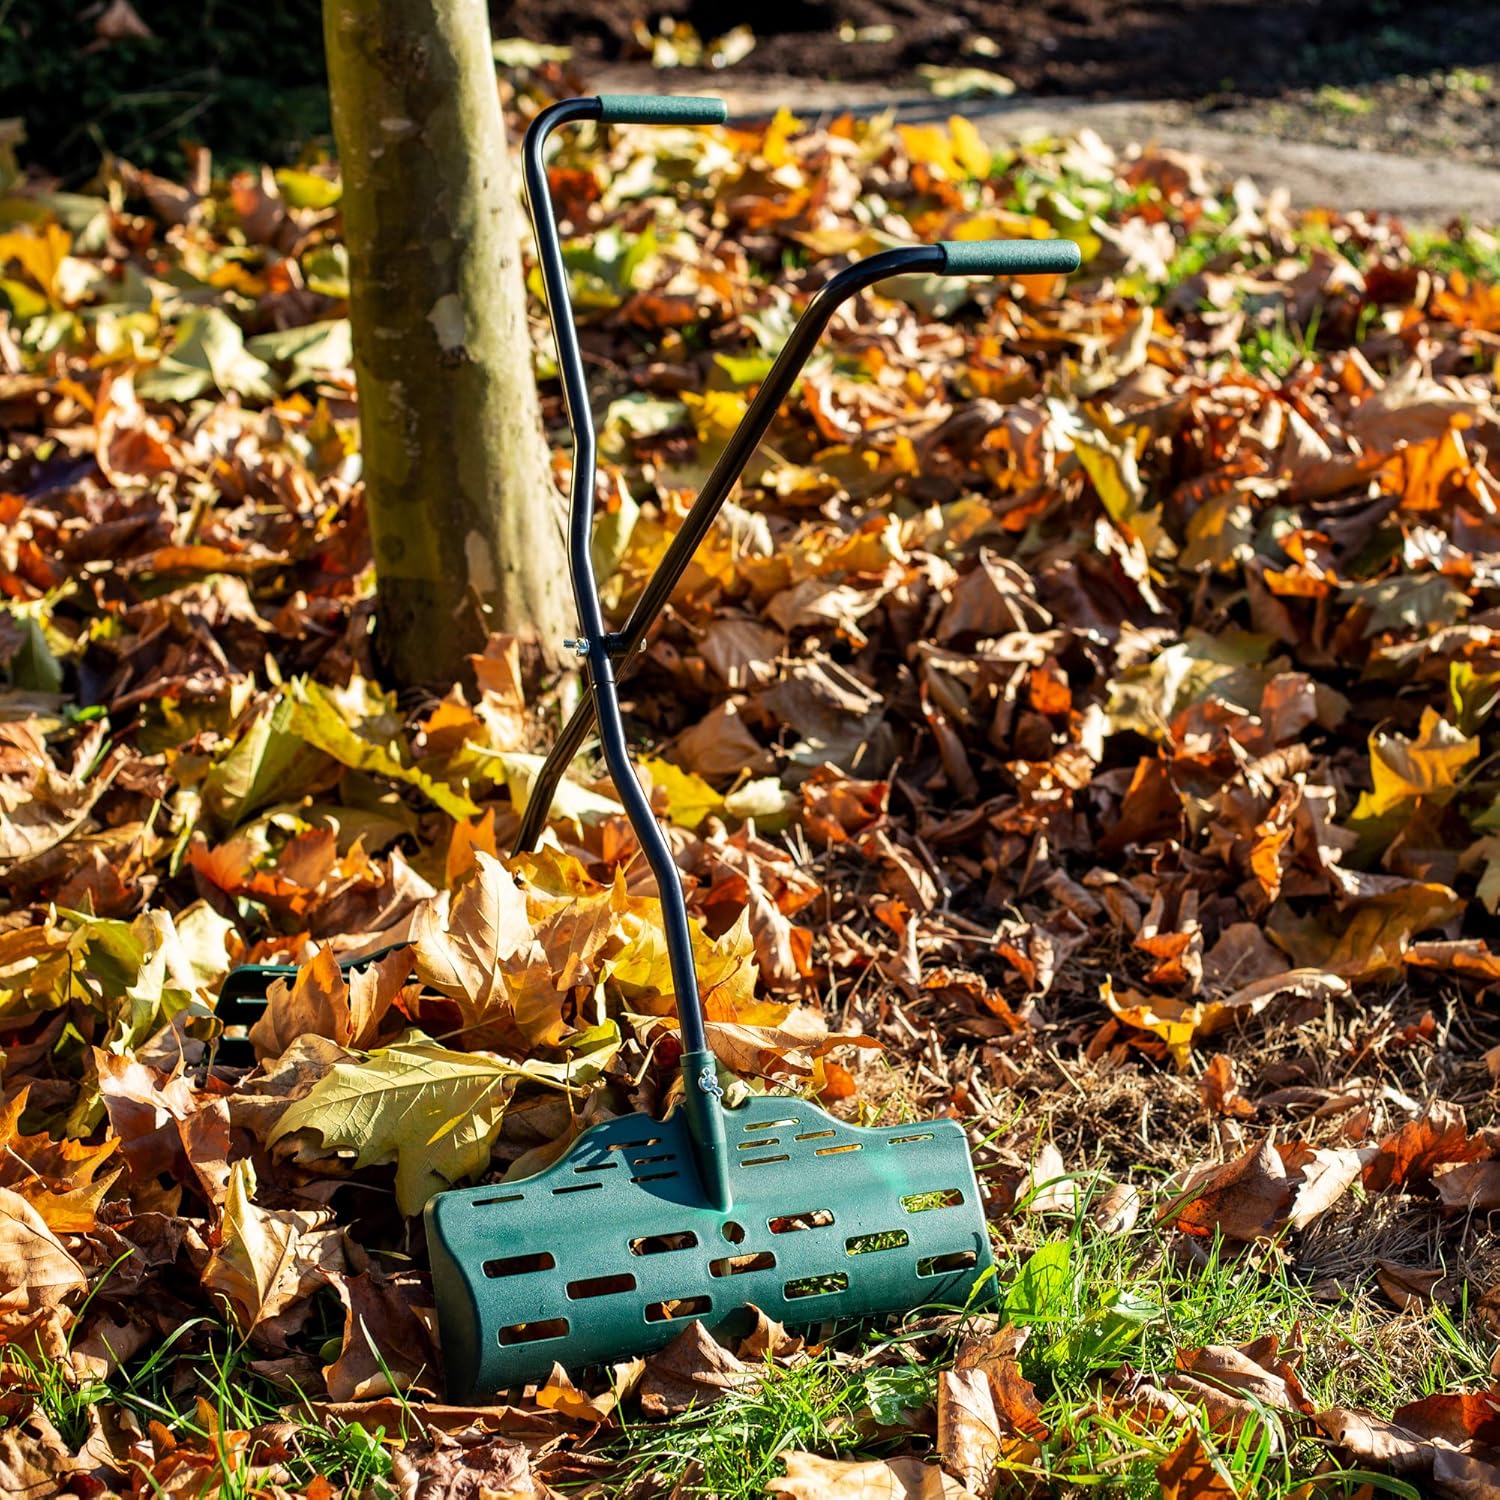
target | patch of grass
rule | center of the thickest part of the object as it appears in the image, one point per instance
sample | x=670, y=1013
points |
x=1091, y=1303
x=65, y=1401
x=1278, y=347
x=1336, y=101
x=1474, y=252
x=207, y=1362
x=733, y=1448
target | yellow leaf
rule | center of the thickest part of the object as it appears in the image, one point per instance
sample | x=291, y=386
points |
x=774, y=145
x=55, y=1177
x=715, y=414
x=690, y=798
x=931, y=146
x=39, y=253
x=357, y=727
x=1174, y=1021
x=268, y=1259
x=470, y=941
x=969, y=148
x=1403, y=770
x=433, y=1112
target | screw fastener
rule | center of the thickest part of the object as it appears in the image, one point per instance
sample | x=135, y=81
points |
x=578, y=648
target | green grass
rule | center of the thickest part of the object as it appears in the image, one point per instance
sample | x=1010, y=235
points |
x=1278, y=347
x=1474, y=252
x=734, y=1447
x=1091, y=1303
x=206, y=1361
x=65, y=1401
x=1336, y=101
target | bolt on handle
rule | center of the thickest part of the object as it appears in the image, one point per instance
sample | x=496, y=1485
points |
x=661, y=109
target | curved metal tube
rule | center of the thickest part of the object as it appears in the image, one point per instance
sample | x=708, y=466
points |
x=721, y=481
x=702, y=1095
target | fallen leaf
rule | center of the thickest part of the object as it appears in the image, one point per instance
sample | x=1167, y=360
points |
x=694, y=1369
x=36, y=1272
x=1192, y=1472
x=388, y=1343
x=809, y=1477
x=268, y=1260
x=1246, y=1199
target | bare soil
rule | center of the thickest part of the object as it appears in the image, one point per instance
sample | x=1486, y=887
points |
x=1370, y=74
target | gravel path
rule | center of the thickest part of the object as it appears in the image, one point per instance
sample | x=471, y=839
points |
x=1417, y=187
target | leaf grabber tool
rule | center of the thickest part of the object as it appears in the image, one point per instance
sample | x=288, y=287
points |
x=645, y=1222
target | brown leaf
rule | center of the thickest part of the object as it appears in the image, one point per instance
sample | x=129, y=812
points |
x=968, y=1429
x=1047, y=1187
x=1463, y=1420
x=1472, y=1186
x=388, y=1337
x=1190, y=1472
x=768, y=1340
x=269, y=1261
x=719, y=746
x=1463, y=1476
x=997, y=1355
x=1379, y=1441
x=742, y=652
x=1448, y=1441
x=809, y=1477
x=119, y=21
x=1221, y=1091
x=1436, y=1138
x=693, y=1369
x=36, y=1272
x=1253, y=1370
x=465, y=942
x=1242, y=955
x=316, y=1003
x=1246, y=1199
x=165, y=1128
x=559, y=1394
x=1326, y=1177
x=484, y=1468
x=34, y=1461
x=1413, y=1289
x=1116, y=1210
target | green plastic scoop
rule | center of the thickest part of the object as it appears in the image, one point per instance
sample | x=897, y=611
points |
x=645, y=1223
x=604, y=1254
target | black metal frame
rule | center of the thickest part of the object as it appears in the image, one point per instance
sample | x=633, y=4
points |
x=599, y=648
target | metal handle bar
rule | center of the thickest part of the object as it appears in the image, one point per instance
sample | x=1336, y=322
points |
x=598, y=646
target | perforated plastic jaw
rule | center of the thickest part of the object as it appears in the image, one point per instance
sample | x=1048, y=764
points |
x=606, y=1253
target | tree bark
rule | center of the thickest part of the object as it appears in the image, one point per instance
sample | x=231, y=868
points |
x=464, y=517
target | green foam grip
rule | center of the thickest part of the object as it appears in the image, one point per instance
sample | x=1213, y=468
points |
x=1010, y=257
x=661, y=109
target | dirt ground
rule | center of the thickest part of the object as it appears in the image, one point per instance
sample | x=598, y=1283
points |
x=1370, y=75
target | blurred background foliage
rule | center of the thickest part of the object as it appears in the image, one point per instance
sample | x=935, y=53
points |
x=83, y=77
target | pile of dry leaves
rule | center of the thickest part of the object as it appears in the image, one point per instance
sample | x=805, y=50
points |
x=1088, y=699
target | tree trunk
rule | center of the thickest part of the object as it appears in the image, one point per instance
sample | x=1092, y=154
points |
x=465, y=520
